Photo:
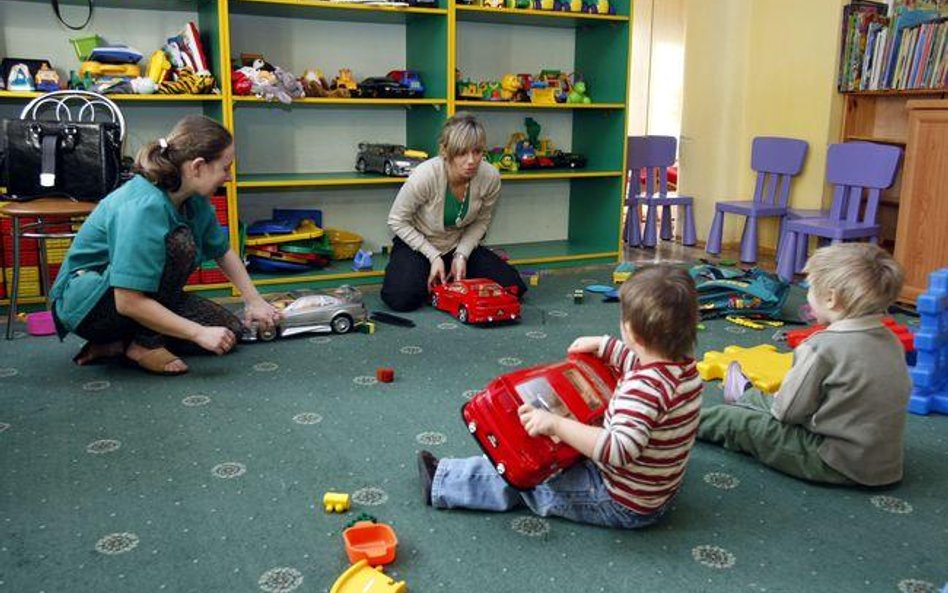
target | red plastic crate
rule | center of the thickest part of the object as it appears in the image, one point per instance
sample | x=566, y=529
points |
x=27, y=258
x=213, y=276
x=904, y=334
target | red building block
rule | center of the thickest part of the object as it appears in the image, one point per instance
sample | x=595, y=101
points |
x=385, y=375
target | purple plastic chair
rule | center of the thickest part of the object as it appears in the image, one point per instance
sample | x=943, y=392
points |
x=859, y=171
x=777, y=161
x=654, y=154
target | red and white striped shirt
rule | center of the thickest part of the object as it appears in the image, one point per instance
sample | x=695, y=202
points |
x=650, y=428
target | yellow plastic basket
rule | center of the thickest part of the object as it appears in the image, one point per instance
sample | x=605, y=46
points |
x=345, y=244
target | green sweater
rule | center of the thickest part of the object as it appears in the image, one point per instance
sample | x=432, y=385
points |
x=850, y=384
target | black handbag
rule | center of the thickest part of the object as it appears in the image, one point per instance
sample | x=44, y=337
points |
x=80, y=160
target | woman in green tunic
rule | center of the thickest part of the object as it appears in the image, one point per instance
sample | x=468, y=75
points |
x=121, y=286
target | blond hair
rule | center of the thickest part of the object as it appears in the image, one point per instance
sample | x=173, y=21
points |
x=193, y=137
x=461, y=134
x=660, y=306
x=864, y=276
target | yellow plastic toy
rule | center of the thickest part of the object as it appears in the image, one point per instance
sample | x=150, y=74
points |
x=362, y=578
x=97, y=69
x=336, y=502
x=762, y=365
x=306, y=229
x=753, y=323
x=158, y=66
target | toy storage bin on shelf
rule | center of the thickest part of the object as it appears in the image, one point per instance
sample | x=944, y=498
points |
x=85, y=45
x=345, y=244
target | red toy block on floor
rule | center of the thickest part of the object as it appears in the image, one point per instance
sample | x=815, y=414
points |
x=797, y=336
x=385, y=375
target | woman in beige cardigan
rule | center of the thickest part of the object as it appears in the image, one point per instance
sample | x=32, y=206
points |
x=439, y=218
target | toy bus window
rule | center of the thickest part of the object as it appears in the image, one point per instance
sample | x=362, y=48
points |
x=539, y=393
x=584, y=388
x=490, y=290
x=604, y=391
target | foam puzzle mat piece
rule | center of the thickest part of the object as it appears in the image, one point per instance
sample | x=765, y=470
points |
x=763, y=365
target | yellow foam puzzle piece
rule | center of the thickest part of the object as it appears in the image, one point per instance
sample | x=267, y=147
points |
x=762, y=365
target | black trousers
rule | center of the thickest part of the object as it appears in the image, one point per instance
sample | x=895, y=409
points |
x=405, y=287
x=105, y=324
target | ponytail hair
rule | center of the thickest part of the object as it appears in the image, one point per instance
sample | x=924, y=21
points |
x=193, y=137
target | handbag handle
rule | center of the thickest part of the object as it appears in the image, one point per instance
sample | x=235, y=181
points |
x=61, y=20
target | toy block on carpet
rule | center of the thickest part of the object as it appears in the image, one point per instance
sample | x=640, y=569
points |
x=930, y=373
x=763, y=365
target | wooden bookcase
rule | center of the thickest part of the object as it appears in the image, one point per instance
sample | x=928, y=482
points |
x=434, y=42
x=881, y=116
x=921, y=244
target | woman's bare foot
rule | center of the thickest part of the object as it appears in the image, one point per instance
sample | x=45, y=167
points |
x=137, y=352
x=93, y=352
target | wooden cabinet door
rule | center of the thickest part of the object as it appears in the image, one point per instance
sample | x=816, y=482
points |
x=922, y=239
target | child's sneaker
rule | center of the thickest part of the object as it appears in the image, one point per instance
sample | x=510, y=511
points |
x=735, y=383
x=427, y=466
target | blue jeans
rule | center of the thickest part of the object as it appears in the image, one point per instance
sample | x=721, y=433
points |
x=577, y=494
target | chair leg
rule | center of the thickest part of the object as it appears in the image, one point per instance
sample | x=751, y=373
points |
x=666, y=223
x=714, y=235
x=649, y=238
x=689, y=236
x=802, y=245
x=749, y=240
x=786, y=257
x=14, y=289
x=633, y=223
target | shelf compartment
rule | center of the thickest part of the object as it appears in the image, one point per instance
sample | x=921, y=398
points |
x=560, y=106
x=557, y=174
x=122, y=98
x=538, y=18
x=335, y=102
x=332, y=179
x=335, y=11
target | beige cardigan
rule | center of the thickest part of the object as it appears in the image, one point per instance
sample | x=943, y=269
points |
x=417, y=215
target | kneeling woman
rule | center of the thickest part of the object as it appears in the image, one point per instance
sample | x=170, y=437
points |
x=440, y=216
x=121, y=286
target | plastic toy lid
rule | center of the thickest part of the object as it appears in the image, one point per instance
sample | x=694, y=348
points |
x=361, y=578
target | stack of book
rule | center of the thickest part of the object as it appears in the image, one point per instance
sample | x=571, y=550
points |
x=905, y=50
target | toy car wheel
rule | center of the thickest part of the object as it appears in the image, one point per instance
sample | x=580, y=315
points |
x=462, y=314
x=341, y=324
x=267, y=335
x=472, y=427
x=501, y=468
x=434, y=301
x=387, y=168
x=360, y=165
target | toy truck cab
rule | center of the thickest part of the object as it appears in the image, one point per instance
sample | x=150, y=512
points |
x=578, y=388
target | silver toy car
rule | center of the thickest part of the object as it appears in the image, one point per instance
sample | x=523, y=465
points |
x=307, y=311
x=393, y=160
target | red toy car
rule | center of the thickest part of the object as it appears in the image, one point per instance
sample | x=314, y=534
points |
x=477, y=300
x=579, y=388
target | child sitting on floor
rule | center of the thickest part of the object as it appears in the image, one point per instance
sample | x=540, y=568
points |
x=839, y=415
x=637, y=457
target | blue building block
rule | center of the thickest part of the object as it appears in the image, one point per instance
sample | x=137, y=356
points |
x=930, y=373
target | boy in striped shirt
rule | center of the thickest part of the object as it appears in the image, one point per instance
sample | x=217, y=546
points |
x=637, y=458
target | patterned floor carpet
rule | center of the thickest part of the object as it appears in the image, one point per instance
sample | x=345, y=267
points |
x=111, y=480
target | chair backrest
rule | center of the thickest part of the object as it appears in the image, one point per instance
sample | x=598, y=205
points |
x=654, y=154
x=77, y=106
x=777, y=161
x=859, y=170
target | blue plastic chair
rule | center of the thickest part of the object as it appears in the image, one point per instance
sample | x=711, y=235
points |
x=654, y=154
x=860, y=171
x=776, y=161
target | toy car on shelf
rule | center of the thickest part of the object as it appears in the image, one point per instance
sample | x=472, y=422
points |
x=568, y=160
x=578, y=388
x=306, y=311
x=393, y=160
x=410, y=80
x=383, y=87
x=477, y=300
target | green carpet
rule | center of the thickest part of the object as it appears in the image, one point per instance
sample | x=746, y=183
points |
x=113, y=480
